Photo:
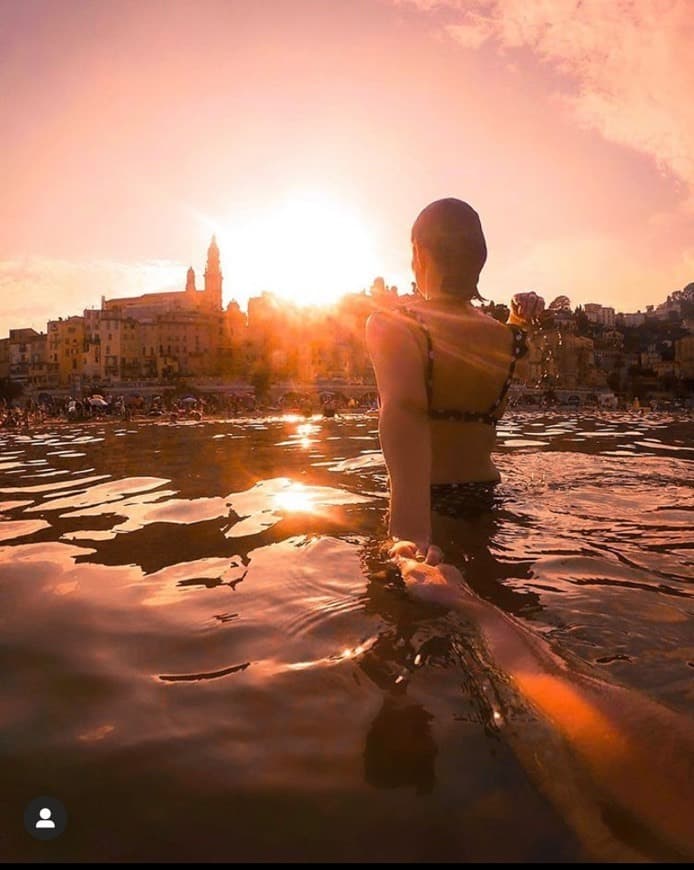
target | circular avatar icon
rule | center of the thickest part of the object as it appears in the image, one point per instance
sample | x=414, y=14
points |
x=45, y=818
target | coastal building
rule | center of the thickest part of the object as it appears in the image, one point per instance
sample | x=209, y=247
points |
x=684, y=358
x=149, y=305
x=563, y=360
x=66, y=349
x=43, y=374
x=649, y=358
x=308, y=344
x=608, y=351
x=111, y=347
x=635, y=319
x=600, y=314
x=162, y=335
x=676, y=303
x=28, y=359
x=187, y=333
x=4, y=358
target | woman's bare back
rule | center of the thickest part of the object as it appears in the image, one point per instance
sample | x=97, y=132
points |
x=472, y=356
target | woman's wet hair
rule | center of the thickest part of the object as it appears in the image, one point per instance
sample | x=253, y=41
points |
x=450, y=230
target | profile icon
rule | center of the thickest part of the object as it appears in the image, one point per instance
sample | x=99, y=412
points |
x=45, y=820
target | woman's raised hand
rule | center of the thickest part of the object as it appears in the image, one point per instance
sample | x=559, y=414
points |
x=526, y=308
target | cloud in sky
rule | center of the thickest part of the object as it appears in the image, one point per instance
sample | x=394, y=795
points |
x=623, y=67
x=37, y=289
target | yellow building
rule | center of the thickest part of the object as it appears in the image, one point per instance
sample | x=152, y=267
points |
x=162, y=335
x=106, y=336
x=564, y=360
x=66, y=348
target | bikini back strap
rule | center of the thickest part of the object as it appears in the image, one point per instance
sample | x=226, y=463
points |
x=519, y=349
x=463, y=416
x=429, y=376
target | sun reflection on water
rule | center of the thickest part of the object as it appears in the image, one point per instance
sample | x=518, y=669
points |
x=295, y=499
x=304, y=431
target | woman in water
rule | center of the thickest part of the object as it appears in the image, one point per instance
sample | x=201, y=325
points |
x=443, y=370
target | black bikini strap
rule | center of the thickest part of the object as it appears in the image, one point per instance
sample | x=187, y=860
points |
x=520, y=349
x=429, y=378
x=463, y=416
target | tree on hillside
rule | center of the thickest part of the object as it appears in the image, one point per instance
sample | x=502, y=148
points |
x=582, y=322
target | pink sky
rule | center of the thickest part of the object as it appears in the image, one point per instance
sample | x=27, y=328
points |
x=131, y=127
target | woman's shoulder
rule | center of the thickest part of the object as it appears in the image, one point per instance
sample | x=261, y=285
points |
x=399, y=317
x=393, y=325
x=493, y=325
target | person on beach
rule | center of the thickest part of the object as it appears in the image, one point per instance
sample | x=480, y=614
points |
x=443, y=370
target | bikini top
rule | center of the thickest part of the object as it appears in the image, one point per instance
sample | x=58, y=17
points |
x=520, y=349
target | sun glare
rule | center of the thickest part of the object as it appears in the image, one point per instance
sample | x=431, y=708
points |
x=295, y=499
x=307, y=249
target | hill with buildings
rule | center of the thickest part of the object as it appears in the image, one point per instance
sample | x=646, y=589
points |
x=188, y=336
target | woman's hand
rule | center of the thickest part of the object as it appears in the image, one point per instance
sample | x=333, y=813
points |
x=430, y=554
x=526, y=308
x=441, y=584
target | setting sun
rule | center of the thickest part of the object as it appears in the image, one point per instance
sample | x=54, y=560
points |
x=307, y=248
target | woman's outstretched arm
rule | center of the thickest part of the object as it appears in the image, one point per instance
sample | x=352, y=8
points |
x=639, y=753
x=403, y=426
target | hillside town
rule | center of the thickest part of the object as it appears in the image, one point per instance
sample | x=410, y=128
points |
x=186, y=340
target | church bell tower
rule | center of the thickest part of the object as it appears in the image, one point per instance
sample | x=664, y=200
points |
x=213, y=278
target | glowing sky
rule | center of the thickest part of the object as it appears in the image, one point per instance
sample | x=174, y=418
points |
x=131, y=128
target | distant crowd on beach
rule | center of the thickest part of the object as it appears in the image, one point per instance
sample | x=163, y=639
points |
x=23, y=414
x=603, y=401
x=29, y=412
